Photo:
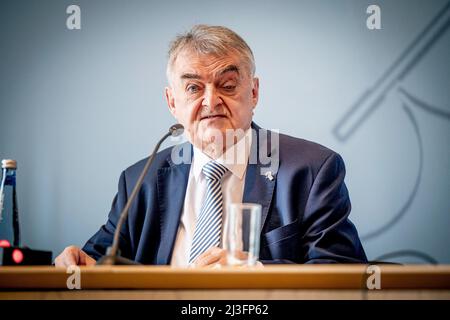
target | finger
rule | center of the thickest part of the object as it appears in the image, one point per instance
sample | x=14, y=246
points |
x=214, y=266
x=212, y=250
x=90, y=261
x=85, y=259
x=207, y=253
x=206, y=260
x=70, y=256
x=215, y=251
x=70, y=259
x=218, y=264
x=242, y=255
x=210, y=256
x=58, y=262
x=223, y=260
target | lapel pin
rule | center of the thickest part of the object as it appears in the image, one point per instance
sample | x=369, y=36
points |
x=269, y=175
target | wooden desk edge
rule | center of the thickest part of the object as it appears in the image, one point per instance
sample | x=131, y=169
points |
x=269, y=277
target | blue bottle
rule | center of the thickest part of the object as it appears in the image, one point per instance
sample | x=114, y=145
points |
x=9, y=211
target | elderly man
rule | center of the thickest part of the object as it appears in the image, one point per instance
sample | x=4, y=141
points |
x=213, y=91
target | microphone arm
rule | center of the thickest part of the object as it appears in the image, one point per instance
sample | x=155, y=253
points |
x=112, y=256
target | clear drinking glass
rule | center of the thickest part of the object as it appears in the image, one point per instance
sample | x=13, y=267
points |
x=242, y=233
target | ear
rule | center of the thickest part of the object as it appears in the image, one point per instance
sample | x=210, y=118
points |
x=255, y=91
x=170, y=100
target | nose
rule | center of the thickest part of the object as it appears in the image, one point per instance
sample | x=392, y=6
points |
x=211, y=99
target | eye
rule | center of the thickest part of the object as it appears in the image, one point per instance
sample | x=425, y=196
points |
x=192, y=88
x=229, y=87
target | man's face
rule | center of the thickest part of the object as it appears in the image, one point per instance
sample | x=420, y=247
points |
x=210, y=95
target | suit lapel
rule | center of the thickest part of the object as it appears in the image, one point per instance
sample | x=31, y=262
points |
x=259, y=187
x=172, y=185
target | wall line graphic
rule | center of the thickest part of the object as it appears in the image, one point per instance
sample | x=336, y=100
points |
x=437, y=111
x=397, y=216
x=372, y=98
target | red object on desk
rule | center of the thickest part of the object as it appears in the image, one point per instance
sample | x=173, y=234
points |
x=5, y=244
x=17, y=256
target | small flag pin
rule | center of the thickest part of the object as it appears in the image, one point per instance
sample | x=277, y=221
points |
x=269, y=175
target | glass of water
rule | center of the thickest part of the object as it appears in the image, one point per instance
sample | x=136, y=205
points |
x=242, y=234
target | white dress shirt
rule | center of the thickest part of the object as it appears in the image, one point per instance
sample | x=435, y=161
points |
x=235, y=159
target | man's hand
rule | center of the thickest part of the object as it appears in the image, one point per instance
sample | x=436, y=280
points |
x=215, y=257
x=73, y=256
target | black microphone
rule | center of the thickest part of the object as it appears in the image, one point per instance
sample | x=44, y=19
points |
x=112, y=256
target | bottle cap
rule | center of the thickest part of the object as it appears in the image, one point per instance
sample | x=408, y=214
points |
x=9, y=164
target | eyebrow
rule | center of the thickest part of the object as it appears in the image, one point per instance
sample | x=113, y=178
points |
x=230, y=68
x=190, y=76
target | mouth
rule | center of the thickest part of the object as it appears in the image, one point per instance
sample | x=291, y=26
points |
x=213, y=116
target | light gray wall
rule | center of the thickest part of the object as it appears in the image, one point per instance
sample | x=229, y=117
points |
x=78, y=106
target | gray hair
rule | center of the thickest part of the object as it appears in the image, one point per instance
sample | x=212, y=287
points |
x=215, y=40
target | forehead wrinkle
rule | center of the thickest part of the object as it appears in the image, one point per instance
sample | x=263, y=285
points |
x=206, y=67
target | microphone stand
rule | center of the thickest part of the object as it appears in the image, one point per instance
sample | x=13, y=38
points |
x=112, y=256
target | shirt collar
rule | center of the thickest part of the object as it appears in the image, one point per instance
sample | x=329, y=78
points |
x=235, y=159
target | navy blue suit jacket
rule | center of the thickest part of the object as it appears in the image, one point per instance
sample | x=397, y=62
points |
x=305, y=207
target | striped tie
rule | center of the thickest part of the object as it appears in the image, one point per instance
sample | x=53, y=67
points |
x=209, y=222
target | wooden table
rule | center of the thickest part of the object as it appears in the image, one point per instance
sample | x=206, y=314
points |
x=270, y=282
